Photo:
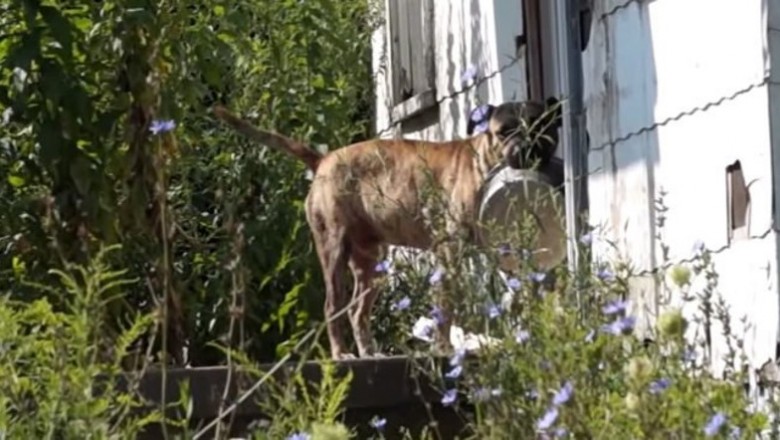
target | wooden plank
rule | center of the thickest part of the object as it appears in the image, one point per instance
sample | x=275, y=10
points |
x=386, y=387
x=395, y=50
x=417, y=46
x=429, y=44
x=404, y=72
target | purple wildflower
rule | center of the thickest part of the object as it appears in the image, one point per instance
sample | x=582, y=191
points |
x=469, y=74
x=659, y=386
x=619, y=326
x=457, y=358
x=698, y=247
x=715, y=424
x=514, y=283
x=493, y=311
x=736, y=433
x=382, y=266
x=436, y=276
x=560, y=432
x=537, y=277
x=378, y=423
x=438, y=315
x=480, y=114
x=401, y=304
x=522, y=336
x=605, y=275
x=564, y=394
x=504, y=249
x=547, y=419
x=423, y=330
x=299, y=436
x=532, y=394
x=162, y=126
x=449, y=396
x=454, y=373
x=587, y=238
x=615, y=307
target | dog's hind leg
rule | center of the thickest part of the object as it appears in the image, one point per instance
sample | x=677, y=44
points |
x=362, y=262
x=332, y=250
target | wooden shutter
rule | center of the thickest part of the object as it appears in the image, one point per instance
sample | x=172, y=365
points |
x=411, y=31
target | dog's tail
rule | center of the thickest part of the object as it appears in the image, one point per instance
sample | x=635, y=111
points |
x=279, y=142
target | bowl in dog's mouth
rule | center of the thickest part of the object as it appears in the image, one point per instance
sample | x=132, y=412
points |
x=524, y=209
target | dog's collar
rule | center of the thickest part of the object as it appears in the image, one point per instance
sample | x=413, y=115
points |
x=488, y=177
x=496, y=168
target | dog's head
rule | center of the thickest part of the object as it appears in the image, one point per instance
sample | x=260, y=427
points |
x=525, y=133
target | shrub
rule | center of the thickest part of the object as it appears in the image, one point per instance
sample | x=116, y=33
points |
x=58, y=371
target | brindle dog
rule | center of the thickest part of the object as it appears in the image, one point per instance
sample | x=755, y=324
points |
x=369, y=195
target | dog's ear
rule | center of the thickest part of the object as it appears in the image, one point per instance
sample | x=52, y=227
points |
x=479, y=117
x=555, y=109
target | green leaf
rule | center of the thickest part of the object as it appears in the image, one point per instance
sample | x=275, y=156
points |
x=81, y=173
x=16, y=181
x=25, y=51
x=59, y=26
x=18, y=266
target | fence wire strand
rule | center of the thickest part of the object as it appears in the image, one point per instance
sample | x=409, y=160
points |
x=666, y=266
x=617, y=8
x=472, y=85
x=698, y=109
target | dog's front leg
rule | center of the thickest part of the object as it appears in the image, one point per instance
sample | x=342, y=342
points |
x=445, y=292
x=443, y=313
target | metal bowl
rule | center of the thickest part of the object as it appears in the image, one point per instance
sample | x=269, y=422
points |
x=511, y=197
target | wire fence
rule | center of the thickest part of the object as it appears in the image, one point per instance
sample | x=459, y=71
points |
x=690, y=112
x=310, y=336
x=463, y=90
x=617, y=8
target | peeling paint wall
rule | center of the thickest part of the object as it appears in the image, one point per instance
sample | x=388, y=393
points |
x=655, y=75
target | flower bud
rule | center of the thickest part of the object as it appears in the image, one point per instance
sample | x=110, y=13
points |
x=640, y=369
x=330, y=431
x=672, y=323
x=680, y=275
x=632, y=402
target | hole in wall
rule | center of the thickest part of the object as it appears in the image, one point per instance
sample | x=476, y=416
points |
x=737, y=202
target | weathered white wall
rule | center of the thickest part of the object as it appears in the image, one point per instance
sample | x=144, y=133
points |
x=476, y=32
x=652, y=61
x=645, y=63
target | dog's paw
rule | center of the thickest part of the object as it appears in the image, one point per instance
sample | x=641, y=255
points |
x=375, y=355
x=347, y=357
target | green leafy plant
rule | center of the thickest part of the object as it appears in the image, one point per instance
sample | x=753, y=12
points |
x=106, y=137
x=59, y=371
